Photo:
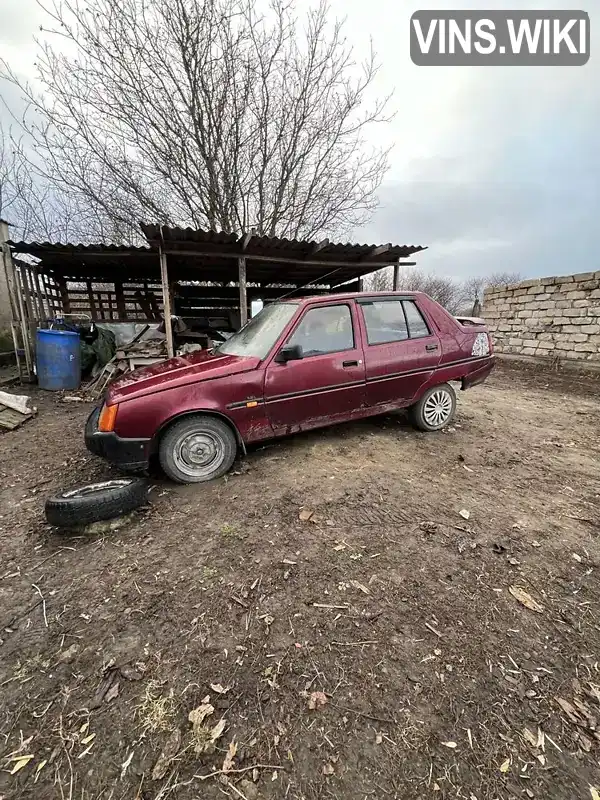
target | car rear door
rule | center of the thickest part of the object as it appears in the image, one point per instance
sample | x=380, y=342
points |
x=327, y=384
x=401, y=346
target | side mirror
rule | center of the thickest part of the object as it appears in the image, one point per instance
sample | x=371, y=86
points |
x=291, y=352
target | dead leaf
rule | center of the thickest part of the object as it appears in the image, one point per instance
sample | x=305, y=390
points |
x=361, y=587
x=594, y=793
x=169, y=752
x=20, y=762
x=328, y=769
x=88, y=739
x=125, y=764
x=217, y=731
x=451, y=745
x=39, y=768
x=317, y=700
x=577, y=557
x=305, y=514
x=216, y=687
x=505, y=766
x=569, y=710
x=339, y=547
x=228, y=761
x=198, y=715
x=464, y=513
x=529, y=737
x=525, y=599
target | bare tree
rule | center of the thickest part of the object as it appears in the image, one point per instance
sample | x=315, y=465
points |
x=380, y=281
x=475, y=287
x=12, y=174
x=446, y=291
x=207, y=113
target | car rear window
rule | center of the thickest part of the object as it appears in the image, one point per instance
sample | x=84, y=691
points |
x=393, y=321
x=417, y=327
x=385, y=321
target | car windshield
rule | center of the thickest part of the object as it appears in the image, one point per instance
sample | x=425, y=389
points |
x=259, y=335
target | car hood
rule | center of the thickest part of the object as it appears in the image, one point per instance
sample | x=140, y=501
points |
x=203, y=365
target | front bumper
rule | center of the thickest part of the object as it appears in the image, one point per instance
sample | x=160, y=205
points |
x=127, y=454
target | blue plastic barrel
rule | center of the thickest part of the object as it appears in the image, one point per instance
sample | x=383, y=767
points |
x=58, y=359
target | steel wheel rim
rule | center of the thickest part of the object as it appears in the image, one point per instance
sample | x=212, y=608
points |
x=437, y=408
x=199, y=454
x=92, y=488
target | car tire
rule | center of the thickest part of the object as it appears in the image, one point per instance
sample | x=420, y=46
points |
x=435, y=409
x=96, y=502
x=197, y=449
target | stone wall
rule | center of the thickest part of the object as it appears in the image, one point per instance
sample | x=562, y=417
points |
x=551, y=318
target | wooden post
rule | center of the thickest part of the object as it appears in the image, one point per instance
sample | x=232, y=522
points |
x=164, y=276
x=396, y=276
x=243, y=295
x=16, y=304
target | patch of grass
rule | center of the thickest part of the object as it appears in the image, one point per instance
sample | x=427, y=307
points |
x=157, y=710
x=232, y=532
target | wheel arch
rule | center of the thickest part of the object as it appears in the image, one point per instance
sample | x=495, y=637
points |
x=196, y=412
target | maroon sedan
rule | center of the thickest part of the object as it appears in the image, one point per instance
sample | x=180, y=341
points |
x=299, y=364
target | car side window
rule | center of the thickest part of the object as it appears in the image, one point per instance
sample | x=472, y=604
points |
x=385, y=321
x=325, y=329
x=417, y=327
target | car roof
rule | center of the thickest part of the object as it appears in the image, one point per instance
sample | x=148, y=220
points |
x=327, y=298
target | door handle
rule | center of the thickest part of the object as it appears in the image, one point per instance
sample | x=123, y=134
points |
x=349, y=363
x=431, y=347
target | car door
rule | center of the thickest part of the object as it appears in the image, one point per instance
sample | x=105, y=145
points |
x=401, y=349
x=327, y=384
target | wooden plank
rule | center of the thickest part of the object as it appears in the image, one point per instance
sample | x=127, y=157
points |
x=92, y=302
x=61, y=286
x=166, y=297
x=318, y=246
x=396, y=277
x=300, y=262
x=39, y=294
x=120, y=297
x=243, y=295
x=11, y=419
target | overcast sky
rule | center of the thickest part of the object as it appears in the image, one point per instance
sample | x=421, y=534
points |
x=495, y=168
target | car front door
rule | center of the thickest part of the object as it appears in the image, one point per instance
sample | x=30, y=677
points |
x=401, y=350
x=327, y=384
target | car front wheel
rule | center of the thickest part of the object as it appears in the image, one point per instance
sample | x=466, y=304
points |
x=435, y=409
x=196, y=449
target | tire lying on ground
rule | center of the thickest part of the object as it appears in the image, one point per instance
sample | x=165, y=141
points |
x=96, y=502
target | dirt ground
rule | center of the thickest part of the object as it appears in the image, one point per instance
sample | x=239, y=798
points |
x=381, y=648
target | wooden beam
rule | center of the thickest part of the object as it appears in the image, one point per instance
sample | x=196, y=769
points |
x=318, y=246
x=164, y=275
x=376, y=251
x=276, y=259
x=243, y=294
x=246, y=240
x=396, y=277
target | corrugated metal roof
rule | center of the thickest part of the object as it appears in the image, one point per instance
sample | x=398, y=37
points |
x=35, y=248
x=268, y=246
x=213, y=256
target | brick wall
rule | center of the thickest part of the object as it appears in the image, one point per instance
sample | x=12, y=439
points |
x=552, y=318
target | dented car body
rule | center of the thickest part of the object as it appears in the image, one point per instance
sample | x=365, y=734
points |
x=298, y=365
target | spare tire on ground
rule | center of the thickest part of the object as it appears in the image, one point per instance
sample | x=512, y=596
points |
x=96, y=502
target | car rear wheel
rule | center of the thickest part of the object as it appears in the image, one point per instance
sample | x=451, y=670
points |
x=197, y=449
x=435, y=409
